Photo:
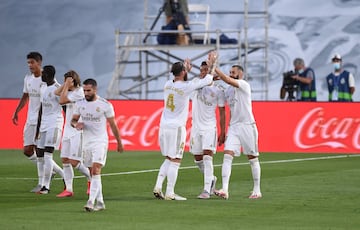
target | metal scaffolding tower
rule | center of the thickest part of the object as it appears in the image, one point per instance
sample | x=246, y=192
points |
x=256, y=23
x=143, y=67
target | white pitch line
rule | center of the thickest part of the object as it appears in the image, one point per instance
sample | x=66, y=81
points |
x=193, y=167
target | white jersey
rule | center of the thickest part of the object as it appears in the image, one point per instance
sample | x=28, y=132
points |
x=73, y=96
x=51, y=116
x=239, y=100
x=204, y=104
x=176, y=99
x=94, y=115
x=32, y=87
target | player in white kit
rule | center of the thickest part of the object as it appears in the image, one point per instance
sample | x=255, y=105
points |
x=71, y=145
x=242, y=131
x=51, y=123
x=172, y=133
x=31, y=94
x=95, y=112
x=204, y=138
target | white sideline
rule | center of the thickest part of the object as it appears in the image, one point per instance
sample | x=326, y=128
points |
x=193, y=167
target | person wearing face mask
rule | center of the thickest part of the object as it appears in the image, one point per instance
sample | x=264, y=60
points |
x=306, y=78
x=341, y=83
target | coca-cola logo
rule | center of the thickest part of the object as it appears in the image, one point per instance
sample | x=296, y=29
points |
x=143, y=127
x=315, y=130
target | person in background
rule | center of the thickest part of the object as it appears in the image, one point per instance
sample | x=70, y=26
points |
x=31, y=94
x=175, y=7
x=95, y=113
x=71, y=151
x=306, y=80
x=242, y=131
x=204, y=137
x=340, y=83
x=172, y=132
x=49, y=126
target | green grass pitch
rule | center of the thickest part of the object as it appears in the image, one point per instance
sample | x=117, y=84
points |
x=300, y=191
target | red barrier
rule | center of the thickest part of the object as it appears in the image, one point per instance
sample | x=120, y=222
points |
x=283, y=126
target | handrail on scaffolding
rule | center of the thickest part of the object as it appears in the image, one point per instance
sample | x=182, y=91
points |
x=163, y=55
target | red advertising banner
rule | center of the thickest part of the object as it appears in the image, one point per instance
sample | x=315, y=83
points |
x=283, y=126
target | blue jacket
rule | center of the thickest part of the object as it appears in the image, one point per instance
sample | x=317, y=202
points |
x=308, y=91
x=342, y=84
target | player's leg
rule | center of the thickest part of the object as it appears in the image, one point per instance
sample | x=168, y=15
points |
x=250, y=148
x=96, y=195
x=160, y=179
x=67, y=169
x=196, y=148
x=52, y=141
x=98, y=156
x=40, y=170
x=48, y=168
x=175, y=154
x=209, y=147
x=157, y=191
x=77, y=158
x=231, y=149
x=31, y=152
x=29, y=142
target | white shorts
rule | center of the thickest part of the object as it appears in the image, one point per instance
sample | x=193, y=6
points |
x=203, y=140
x=71, y=147
x=172, y=142
x=95, y=153
x=29, y=134
x=245, y=136
x=50, y=138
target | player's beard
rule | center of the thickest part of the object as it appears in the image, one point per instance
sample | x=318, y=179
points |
x=90, y=97
x=185, y=77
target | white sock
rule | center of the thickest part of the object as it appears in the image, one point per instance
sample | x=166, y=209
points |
x=94, y=187
x=256, y=173
x=99, y=197
x=208, y=172
x=48, y=168
x=162, y=173
x=58, y=169
x=200, y=165
x=84, y=170
x=226, y=171
x=33, y=158
x=68, y=176
x=172, y=177
x=40, y=169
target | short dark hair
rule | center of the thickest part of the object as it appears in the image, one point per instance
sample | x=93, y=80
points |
x=48, y=73
x=34, y=55
x=239, y=67
x=203, y=63
x=299, y=61
x=90, y=81
x=74, y=75
x=177, y=67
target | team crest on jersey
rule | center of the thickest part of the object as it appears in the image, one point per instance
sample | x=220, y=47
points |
x=97, y=109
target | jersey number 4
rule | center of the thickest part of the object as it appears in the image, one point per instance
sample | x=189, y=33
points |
x=170, y=102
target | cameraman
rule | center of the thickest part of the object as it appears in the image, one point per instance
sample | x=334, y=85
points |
x=306, y=79
x=174, y=7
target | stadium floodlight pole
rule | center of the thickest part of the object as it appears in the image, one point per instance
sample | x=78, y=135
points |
x=161, y=10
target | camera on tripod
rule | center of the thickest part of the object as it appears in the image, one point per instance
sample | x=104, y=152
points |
x=290, y=85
